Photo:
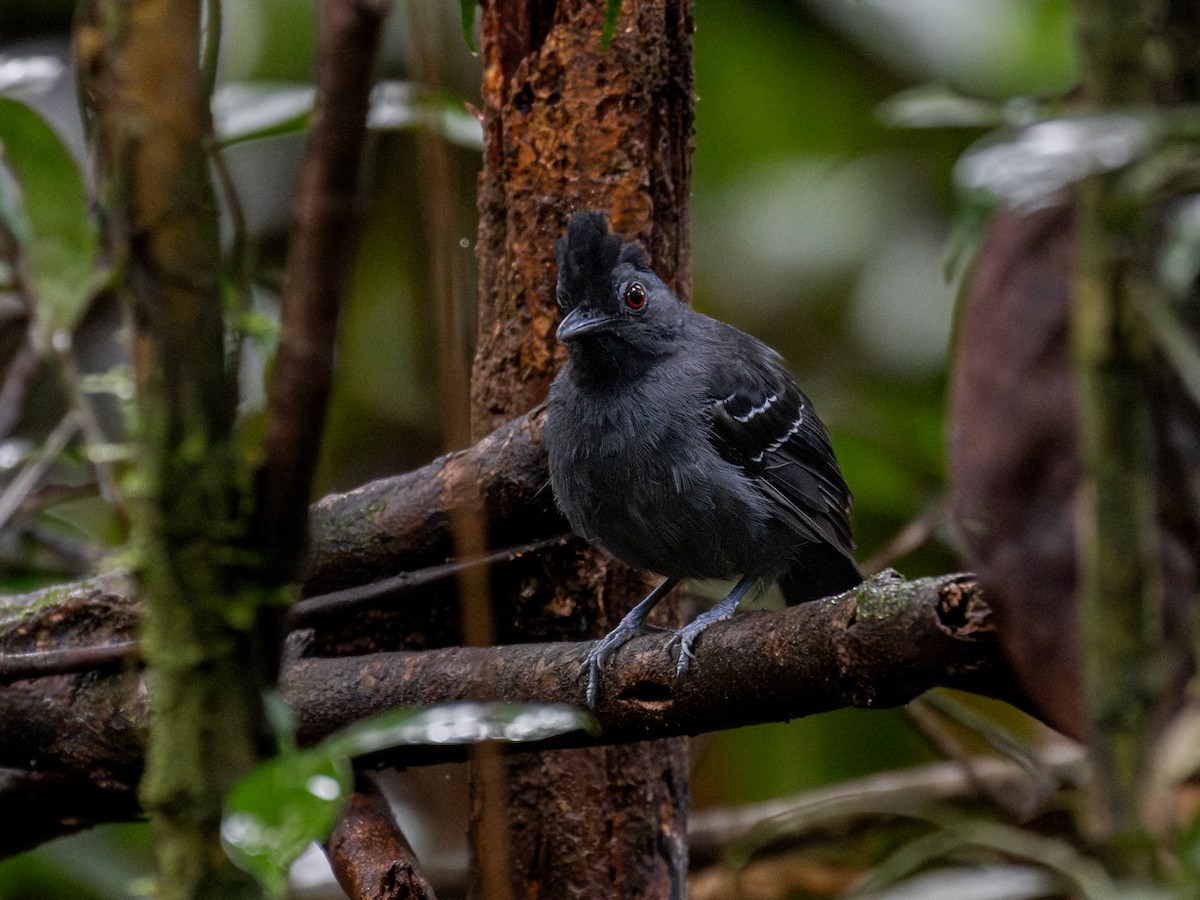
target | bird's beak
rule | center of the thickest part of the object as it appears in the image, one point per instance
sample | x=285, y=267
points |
x=581, y=321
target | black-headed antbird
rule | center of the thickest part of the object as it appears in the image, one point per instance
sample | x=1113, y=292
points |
x=683, y=446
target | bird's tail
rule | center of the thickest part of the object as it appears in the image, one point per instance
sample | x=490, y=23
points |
x=820, y=570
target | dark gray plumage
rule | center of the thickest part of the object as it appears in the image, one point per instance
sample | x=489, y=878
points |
x=682, y=445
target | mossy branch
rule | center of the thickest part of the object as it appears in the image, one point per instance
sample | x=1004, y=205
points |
x=153, y=128
x=1123, y=661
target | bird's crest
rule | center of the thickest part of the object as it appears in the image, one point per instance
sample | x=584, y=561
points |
x=586, y=257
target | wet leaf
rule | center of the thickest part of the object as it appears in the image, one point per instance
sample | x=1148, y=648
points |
x=29, y=75
x=1029, y=169
x=938, y=106
x=401, y=105
x=50, y=218
x=273, y=813
x=277, y=810
x=466, y=10
x=461, y=723
x=250, y=111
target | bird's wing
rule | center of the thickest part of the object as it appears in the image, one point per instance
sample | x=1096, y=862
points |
x=763, y=423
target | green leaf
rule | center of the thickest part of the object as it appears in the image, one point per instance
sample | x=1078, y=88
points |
x=249, y=111
x=273, y=813
x=466, y=10
x=58, y=238
x=402, y=105
x=1189, y=847
x=612, y=12
x=1029, y=168
x=939, y=106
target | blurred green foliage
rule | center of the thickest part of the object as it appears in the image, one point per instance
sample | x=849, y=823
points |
x=792, y=90
x=815, y=226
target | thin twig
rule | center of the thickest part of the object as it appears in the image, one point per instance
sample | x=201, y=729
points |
x=14, y=495
x=89, y=425
x=941, y=739
x=17, y=381
x=40, y=663
x=77, y=556
x=910, y=537
x=24, y=365
x=212, y=44
x=324, y=235
x=239, y=251
x=404, y=582
x=1172, y=337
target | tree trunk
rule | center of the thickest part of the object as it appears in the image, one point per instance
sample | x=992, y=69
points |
x=569, y=127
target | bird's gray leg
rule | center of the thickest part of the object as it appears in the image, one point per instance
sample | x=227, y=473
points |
x=686, y=636
x=633, y=622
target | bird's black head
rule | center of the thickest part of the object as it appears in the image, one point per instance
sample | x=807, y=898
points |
x=611, y=301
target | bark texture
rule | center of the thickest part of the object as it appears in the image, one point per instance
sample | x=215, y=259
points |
x=369, y=856
x=569, y=127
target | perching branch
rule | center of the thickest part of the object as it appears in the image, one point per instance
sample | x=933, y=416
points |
x=386, y=540
x=878, y=646
x=402, y=523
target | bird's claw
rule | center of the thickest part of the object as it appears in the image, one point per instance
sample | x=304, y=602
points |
x=599, y=654
x=685, y=638
x=592, y=664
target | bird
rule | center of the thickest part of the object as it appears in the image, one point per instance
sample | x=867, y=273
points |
x=683, y=446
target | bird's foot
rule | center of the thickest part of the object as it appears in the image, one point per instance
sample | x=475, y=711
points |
x=633, y=622
x=686, y=636
x=606, y=647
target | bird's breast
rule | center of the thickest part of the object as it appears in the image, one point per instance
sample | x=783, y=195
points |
x=639, y=476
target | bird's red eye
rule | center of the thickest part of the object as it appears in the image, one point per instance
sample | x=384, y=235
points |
x=635, y=296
